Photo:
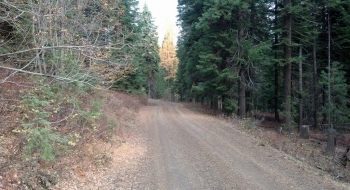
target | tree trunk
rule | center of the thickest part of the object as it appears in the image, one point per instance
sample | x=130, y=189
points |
x=249, y=99
x=288, y=66
x=35, y=40
x=241, y=93
x=304, y=132
x=331, y=141
x=277, y=117
x=242, y=86
x=324, y=100
x=252, y=29
x=329, y=72
x=62, y=37
x=300, y=119
x=315, y=81
x=330, y=149
x=149, y=88
x=215, y=105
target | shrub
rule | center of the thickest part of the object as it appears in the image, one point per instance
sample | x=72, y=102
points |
x=44, y=143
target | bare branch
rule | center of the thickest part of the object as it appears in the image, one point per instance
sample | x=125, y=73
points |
x=47, y=75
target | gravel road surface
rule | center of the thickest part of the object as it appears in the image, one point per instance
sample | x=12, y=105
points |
x=188, y=150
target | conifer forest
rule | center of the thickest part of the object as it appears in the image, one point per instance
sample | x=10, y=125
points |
x=74, y=75
x=289, y=58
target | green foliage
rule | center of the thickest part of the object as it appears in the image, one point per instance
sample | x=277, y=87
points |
x=91, y=115
x=229, y=46
x=94, y=39
x=293, y=124
x=229, y=106
x=35, y=103
x=212, y=55
x=224, y=46
x=131, y=83
x=160, y=86
x=39, y=105
x=198, y=89
x=92, y=9
x=112, y=126
x=149, y=64
x=266, y=89
x=143, y=50
x=43, y=142
x=74, y=139
x=337, y=108
x=2, y=50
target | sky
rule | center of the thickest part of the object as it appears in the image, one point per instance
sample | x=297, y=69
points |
x=164, y=13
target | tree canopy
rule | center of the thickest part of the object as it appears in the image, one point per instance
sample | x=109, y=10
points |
x=265, y=55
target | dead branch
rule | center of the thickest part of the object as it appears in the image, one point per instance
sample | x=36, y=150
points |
x=47, y=75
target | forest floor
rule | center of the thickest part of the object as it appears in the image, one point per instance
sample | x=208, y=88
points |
x=170, y=146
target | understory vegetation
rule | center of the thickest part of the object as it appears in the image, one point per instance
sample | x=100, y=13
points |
x=59, y=60
x=45, y=130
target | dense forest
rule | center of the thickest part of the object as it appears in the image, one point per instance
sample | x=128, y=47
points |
x=289, y=58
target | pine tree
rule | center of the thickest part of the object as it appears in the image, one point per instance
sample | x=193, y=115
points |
x=189, y=13
x=140, y=54
x=128, y=32
x=287, y=73
x=302, y=38
x=337, y=106
x=149, y=62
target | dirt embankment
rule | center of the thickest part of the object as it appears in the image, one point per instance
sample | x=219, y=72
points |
x=110, y=163
x=100, y=155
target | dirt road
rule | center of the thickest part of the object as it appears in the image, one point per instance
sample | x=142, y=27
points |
x=187, y=150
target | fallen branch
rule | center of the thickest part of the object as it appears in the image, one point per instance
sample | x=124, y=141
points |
x=47, y=75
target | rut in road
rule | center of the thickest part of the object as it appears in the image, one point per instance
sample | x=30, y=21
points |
x=187, y=150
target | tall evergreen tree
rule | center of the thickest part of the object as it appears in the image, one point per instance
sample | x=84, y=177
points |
x=140, y=53
x=149, y=63
x=128, y=32
x=287, y=72
x=189, y=14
